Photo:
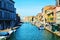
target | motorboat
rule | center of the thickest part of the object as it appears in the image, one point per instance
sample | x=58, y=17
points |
x=41, y=28
x=4, y=33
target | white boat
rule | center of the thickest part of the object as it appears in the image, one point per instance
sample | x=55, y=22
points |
x=3, y=37
x=42, y=28
x=10, y=32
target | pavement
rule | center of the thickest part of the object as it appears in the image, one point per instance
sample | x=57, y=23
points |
x=6, y=30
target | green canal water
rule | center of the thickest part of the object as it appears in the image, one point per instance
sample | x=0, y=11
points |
x=30, y=32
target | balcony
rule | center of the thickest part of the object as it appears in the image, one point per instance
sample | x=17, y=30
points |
x=13, y=10
x=6, y=18
x=12, y=1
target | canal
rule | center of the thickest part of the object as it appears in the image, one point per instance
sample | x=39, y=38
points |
x=30, y=32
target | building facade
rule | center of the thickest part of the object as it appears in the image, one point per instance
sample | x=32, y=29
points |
x=57, y=2
x=39, y=17
x=7, y=14
x=49, y=14
x=57, y=11
x=17, y=19
x=29, y=19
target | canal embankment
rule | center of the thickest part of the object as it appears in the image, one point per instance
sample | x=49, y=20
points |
x=56, y=33
x=47, y=28
x=7, y=30
x=30, y=32
x=4, y=34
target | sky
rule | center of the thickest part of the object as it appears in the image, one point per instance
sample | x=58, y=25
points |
x=31, y=7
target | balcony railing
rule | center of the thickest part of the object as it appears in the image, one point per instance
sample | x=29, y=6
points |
x=12, y=1
x=13, y=10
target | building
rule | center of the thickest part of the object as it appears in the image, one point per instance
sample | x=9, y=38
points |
x=49, y=14
x=7, y=14
x=57, y=11
x=39, y=17
x=28, y=18
x=17, y=19
x=57, y=2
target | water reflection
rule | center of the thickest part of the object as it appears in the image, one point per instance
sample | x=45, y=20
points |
x=30, y=32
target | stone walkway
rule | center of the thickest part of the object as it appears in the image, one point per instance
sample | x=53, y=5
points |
x=6, y=30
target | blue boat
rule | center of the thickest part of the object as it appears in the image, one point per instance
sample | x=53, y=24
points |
x=4, y=33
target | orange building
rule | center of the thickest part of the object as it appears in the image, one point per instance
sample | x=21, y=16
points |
x=49, y=14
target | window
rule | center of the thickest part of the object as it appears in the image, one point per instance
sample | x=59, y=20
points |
x=48, y=14
x=51, y=19
x=0, y=14
x=45, y=11
x=5, y=15
x=4, y=5
x=52, y=13
x=0, y=3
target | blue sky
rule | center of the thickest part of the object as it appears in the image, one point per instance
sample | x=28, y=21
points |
x=31, y=7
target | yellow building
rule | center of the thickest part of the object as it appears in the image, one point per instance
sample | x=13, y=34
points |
x=25, y=19
x=28, y=18
x=49, y=14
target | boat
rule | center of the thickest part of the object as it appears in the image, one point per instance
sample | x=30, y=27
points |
x=10, y=32
x=4, y=33
x=41, y=28
x=3, y=37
